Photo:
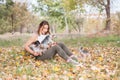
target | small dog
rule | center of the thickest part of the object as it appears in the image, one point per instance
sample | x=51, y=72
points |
x=40, y=46
x=84, y=53
x=35, y=46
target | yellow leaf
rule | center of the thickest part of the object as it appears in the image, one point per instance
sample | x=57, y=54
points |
x=39, y=79
x=89, y=76
x=45, y=73
x=17, y=57
x=100, y=58
x=23, y=52
x=37, y=63
x=69, y=74
x=103, y=75
x=0, y=50
x=56, y=68
x=17, y=64
x=99, y=66
x=96, y=71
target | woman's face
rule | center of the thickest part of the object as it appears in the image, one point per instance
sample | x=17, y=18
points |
x=44, y=29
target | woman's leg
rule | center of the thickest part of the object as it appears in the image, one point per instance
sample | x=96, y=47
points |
x=67, y=51
x=51, y=52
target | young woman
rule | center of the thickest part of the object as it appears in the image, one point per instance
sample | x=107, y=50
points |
x=52, y=49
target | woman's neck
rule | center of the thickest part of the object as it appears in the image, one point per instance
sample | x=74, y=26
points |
x=42, y=33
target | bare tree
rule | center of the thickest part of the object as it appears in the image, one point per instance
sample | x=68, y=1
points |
x=103, y=5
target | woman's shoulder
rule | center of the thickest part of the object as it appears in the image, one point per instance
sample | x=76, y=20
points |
x=31, y=39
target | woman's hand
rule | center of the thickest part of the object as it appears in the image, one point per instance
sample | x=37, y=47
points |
x=55, y=43
x=37, y=54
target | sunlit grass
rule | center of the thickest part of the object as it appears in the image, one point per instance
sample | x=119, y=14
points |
x=85, y=41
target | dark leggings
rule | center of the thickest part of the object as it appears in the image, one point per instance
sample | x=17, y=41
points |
x=59, y=49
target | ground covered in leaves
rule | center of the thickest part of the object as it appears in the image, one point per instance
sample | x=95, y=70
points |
x=103, y=64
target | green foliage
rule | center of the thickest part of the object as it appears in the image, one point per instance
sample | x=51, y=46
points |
x=49, y=8
x=15, y=17
x=9, y=3
x=100, y=4
x=69, y=5
x=4, y=27
x=63, y=11
x=5, y=14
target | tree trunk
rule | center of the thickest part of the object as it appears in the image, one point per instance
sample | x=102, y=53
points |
x=108, y=20
x=67, y=30
x=21, y=28
x=54, y=31
x=12, y=21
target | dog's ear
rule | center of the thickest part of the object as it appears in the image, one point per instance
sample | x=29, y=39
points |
x=36, y=43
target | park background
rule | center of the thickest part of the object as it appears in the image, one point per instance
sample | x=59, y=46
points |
x=92, y=24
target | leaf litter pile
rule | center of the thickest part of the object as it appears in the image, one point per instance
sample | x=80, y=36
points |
x=102, y=64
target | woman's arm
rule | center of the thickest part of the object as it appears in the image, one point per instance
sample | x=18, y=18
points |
x=28, y=43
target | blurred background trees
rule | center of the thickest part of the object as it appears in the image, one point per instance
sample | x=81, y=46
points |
x=14, y=16
x=64, y=16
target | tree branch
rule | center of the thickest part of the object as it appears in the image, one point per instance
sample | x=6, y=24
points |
x=101, y=2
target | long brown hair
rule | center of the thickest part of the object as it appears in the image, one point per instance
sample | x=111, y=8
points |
x=41, y=25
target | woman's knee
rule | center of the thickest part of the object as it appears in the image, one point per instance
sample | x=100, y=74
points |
x=61, y=44
x=56, y=47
